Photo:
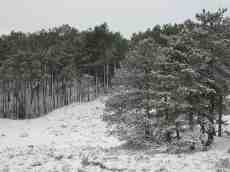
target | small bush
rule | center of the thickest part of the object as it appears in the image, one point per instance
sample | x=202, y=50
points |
x=81, y=170
x=162, y=169
x=223, y=165
x=85, y=161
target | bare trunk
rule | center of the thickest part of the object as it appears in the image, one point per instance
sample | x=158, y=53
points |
x=220, y=116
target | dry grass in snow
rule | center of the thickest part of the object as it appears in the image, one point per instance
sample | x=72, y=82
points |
x=74, y=139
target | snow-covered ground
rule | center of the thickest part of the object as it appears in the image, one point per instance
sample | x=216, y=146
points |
x=74, y=139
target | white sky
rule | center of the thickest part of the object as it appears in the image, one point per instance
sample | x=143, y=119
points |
x=126, y=16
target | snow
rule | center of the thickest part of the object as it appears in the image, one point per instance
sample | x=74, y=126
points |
x=67, y=137
x=76, y=124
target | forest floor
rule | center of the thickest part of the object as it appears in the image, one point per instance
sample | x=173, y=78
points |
x=75, y=139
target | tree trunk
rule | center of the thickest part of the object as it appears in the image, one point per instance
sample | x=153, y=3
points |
x=191, y=121
x=220, y=116
x=147, y=106
x=211, y=109
x=107, y=76
x=177, y=134
x=96, y=85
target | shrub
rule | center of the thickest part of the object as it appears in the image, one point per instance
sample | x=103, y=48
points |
x=223, y=165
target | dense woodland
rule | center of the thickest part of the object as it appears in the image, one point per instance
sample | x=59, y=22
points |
x=173, y=79
x=50, y=68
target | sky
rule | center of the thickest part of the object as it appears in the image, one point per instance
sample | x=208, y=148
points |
x=126, y=16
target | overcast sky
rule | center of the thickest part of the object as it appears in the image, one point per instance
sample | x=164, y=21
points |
x=126, y=16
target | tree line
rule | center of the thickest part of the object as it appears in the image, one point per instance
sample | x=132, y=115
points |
x=174, y=77
x=56, y=59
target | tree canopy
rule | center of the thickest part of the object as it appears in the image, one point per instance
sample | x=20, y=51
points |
x=173, y=76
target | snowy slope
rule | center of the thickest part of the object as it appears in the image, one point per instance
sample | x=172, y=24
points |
x=72, y=125
x=70, y=138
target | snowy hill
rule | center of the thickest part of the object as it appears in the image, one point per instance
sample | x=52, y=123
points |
x=72, y=125
x=73, y=138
